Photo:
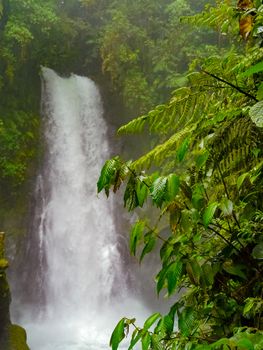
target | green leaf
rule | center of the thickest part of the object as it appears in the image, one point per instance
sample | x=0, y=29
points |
x=107, y=175
x=257, y=252
x=194, y=271
x=161, y=279
x=241, y=179
x=253, y=70
x=209, y=213
x=130, y=195
x=226, y=205
x=146, y=341
x=166, y=325
x=142, y=192
x=187, y=321
x=245, y=344
x=148, y=247
x=173, y=185
x=198, y=196
x=136, y=235
x=117, y=335
x=260, y=92
x=234, y=269
x=136, y=336
x=202, y=158
x=181, y=152
x=256, y=114
x=159, y=190
x=151, y=320
x=173, y=275
x=250, y=302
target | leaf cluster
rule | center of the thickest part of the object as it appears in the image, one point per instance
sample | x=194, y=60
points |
x=209, y=195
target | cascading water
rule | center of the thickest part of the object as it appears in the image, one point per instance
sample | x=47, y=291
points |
x=83, y=277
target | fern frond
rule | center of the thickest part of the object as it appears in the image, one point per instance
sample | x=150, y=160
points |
x=161, y=152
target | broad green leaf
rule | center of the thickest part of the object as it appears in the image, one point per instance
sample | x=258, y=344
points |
x=250, y=302
x=219, y=343
x=253, y=70
x=107, y=175
x=151, y=320
x=159, y=190
x=202, y=158
x=241, y=179
x=148, y=247
x=181, y=152
x=117, y=335
x=130, y=195
x=194, y=271
x=156, y=342
x=245, y=344
x=136, y=336
x=146, y=341
x=209, y=213
x=173, y=275
x=260, y=92
x=256, y=114
x=161, y=279
x=136, y=235
x=141, y=191
x=234, y=269
x=207, y=274
x=226, y=205
x=187, y=321
x=257, y=252
x=166, y=325
x=173, y=185
x=198, y=196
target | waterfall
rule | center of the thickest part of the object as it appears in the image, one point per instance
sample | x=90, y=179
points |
x=81, y=269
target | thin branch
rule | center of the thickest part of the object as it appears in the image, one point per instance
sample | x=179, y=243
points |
x=230, y=84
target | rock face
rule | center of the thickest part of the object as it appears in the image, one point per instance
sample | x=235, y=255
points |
x=12, y=337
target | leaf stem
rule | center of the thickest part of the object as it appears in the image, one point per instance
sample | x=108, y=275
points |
x=230, y=84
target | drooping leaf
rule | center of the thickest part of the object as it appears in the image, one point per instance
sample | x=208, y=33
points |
x=107, y=175
x=146, y=341
x=166, y=325
x=118, y=334
x=159, y=190
x=181, y=152
x=194, y=271
x=142, y=192
x=136, y=336
x=173, y=185
x=173, y=275
x=256, y=114
x=136, y=235
x=226, y=205
x=151, y=320
x=187, y=321
x=209, y=213
x=256, y=68
x=257, y=252
x=234, y=269
x=241, y=179
x=150, y=244
x=130, y=195
x=161, y=279
x=245, y=344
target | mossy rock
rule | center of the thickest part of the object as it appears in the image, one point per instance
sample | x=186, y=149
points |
x=17, y=338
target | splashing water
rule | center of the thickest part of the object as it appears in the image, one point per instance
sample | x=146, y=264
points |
x=84, y=280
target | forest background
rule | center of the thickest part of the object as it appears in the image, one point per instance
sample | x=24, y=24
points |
x=207, y=139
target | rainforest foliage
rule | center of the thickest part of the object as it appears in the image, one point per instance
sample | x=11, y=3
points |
x=203, y=177
x=130, y=44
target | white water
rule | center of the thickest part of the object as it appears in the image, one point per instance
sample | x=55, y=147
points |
x=85, y=283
